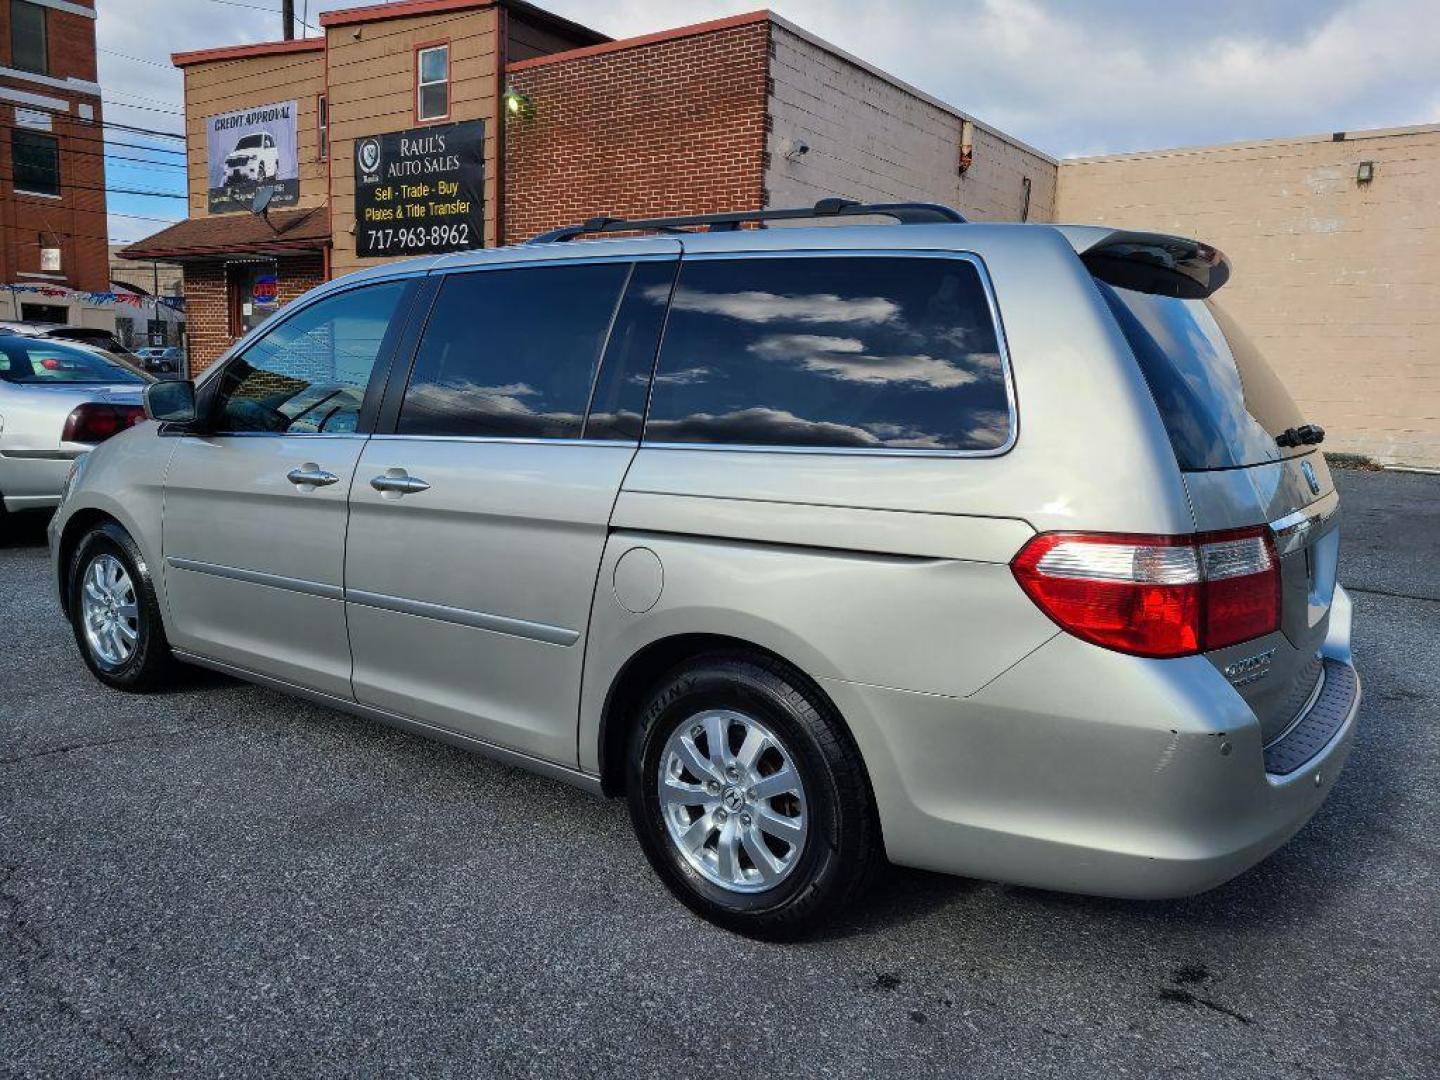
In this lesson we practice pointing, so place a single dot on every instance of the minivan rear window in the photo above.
(1221, 403)
(862, 352)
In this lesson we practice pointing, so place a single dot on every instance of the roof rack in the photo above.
(903, 213)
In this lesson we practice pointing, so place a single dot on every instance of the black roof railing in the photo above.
(902, 213)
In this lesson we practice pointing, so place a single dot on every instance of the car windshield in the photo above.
(249, 142)
(37, 362)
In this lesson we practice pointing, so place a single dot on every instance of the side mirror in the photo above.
(171, 402)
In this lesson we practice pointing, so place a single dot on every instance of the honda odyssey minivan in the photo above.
(993, 549)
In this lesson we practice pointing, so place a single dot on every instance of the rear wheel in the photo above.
(114, 612)
(749, 797)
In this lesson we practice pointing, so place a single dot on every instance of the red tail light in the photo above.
(1155, 595)
(95, 421)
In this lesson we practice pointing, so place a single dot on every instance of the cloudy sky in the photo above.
(1070, 78)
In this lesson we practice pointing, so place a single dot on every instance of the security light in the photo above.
(1365, 173)
(515, 101)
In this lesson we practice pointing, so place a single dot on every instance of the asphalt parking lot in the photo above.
(222, 880)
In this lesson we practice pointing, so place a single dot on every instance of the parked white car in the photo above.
(254, 159)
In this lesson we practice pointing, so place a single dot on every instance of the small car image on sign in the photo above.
(420, 191)
(248, 148)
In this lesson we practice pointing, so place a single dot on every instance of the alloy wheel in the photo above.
(732, 800)
(109, 610)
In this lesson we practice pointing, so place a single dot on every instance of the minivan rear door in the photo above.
(1233, 427)
(479, 511)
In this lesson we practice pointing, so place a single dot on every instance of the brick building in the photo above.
(52, 173)
(541, 122)
(566, 124)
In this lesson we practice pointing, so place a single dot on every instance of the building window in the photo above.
(36, 162)
(322, 125)
(432, 82)
(27, 37)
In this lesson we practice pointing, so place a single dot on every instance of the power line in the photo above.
(144, 130)
(268, 11)
(137, 59)
(142, 217)
(141, 97)
(72, 148)
(71, 186)
(143, 146)
(143, 108)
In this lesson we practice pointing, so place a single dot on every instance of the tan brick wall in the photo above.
(372, 91)
(223, 86)
(670, 127)
(875, 139)
(1337, 282)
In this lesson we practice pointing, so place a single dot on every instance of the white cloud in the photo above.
(763, 307)
(1068, 78)
(846, 359)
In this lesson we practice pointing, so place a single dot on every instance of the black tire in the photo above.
(150, 665)
(842, 847)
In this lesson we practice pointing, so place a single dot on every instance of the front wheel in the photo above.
(114, 612)
(749, 796)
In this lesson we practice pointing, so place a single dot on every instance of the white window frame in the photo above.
(421, 85)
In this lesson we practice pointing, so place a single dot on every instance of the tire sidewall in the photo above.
(112, 540)
(753, 691)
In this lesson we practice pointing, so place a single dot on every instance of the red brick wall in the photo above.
(76, 221)
(207, 314)
(669, 127)
(207, 301)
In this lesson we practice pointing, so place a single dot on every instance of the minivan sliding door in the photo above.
(477, 524)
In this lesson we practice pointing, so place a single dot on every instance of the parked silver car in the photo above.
(990, 549)
(57, 400)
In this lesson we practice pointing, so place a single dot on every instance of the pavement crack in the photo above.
(67, 748)
(1392, 593)
(1185, 997)
(30, 950)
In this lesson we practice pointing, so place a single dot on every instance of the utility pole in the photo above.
(287, 13)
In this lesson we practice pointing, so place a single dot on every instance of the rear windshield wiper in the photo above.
(1304, 435)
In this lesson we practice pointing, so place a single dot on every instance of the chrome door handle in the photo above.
(398, 482)
(311, 476)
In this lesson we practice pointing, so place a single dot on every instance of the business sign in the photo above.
(420, 191)
(250, 147)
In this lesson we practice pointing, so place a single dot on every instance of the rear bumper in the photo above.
(1085, 771)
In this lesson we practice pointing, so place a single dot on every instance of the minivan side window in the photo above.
(512, 353)
(863, 352)
(308, 375)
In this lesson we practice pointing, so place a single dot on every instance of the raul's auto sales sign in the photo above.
(420, 191)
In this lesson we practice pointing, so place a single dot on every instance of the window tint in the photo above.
(512, 352)
(27, 360)
(309, 373)
(1221, 403)
(28, 50)
(36, 161)
(617, 408)
(863, 351)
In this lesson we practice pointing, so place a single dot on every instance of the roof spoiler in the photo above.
(1150, 262)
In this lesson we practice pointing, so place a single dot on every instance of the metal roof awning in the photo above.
(284, 231)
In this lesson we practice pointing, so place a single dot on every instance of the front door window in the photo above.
(309, 374)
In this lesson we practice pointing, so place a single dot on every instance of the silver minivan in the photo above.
(989, 549)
